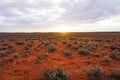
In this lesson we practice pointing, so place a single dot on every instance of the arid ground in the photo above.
(69, 56)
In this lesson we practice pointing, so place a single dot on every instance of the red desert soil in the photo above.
(31, 66)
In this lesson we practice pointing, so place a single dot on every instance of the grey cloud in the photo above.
(15, 12)
(90, 10)
(44, 13)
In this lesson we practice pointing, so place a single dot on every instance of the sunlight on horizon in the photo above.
(62, 29)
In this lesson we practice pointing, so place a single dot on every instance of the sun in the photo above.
(63, 29)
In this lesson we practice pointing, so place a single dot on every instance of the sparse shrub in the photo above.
(19, 42)
(95, 55)
(30, 44)
(69, 44)
(10, 46)
(56, 73)
(46, 44)
(37, 49)
(115, 55)
(67, 52)
(108, 40)
(75, 42)
(3, 47)
(81, 44)
(27, 47)
(64, 42)
(2, 53)
(51, 48)
(9, 59)
(106, 59)
(40, 40)
(91, 48)
(115, 46)
(54, 42)
(84, 52)
(26, 53)
(16, 55)
(92, 45)
(75, 47)
(94, 73)
(115, 73)
(72, 38)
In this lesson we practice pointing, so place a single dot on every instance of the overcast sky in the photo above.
(50, 15)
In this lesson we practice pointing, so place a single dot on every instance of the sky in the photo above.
(59, 15)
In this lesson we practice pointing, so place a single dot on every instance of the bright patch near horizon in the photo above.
(62, 29)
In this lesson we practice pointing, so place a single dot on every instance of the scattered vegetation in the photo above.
(31, 51)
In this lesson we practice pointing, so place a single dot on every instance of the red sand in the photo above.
(26, 67)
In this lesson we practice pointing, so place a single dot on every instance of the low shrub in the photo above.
(16, 55)
(115, 73)
(81, 44)
(115, 47)
(67, 52)
(10, 46)
(30, 44)
(94, 73)
(106, 59)
(52, 48)
(75, 47)
(56, 73)
(26, 52)
(19, 42)
(84, 52)
(46, 44)
(69, 44)
(115, 55)
(3, 47)
(2, 53)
